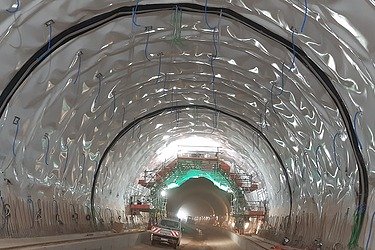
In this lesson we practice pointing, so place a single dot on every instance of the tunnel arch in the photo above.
(363, 187)
(152, 114)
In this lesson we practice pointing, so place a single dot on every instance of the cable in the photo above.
(134, 15)
(357, 114)
(57, 216)
(46, 137)
(304, 18)
(79, 54)
(147, 29)
(16, 121)
(49, 25)
(211, 58)
(159, 69)
(205, 16)
(370, 232)
(99, 76)
(176, 23)
(214, 42)
(14, 8)
(334, 149)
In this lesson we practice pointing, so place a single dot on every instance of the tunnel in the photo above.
(219, 104)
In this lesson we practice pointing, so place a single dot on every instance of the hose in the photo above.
(304, 18)
(57, 215)
(134, 15)
(147, 29)
(79, 58)
(159, 67)
(46, 137)
(16, 121)
(176, 23)
(48, 24)
(99, 76)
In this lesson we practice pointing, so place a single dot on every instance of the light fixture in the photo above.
(163, 193)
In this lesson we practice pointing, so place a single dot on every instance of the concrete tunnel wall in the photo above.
(108, 89)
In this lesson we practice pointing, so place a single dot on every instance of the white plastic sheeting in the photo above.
(65, 112)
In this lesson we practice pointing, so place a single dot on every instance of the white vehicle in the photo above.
(167, 231)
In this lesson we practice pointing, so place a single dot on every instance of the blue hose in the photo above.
(214, 42)
(205, 16)
(16, 121)
(304, 18)
(147, 41)
(159, 69)
(134, 15)
(49, 25)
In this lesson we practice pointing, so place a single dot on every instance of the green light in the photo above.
(180, 177)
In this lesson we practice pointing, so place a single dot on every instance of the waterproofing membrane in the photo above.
(285, 88)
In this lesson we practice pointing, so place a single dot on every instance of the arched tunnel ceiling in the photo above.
(302, 82)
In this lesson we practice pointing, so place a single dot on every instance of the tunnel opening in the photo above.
(199, 198)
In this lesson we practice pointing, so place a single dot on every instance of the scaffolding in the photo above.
(200, 163)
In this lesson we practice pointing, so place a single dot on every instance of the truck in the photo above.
(167, 231)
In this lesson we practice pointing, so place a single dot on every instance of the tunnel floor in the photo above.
(209, 239)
